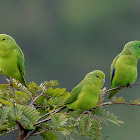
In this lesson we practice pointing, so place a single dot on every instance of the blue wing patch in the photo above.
(113, 73)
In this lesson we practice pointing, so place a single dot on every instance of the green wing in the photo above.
(112, 74)
(20, 64)
(112, 70)
(74, 94)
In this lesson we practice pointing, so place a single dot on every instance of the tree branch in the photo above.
(38, 133)
(88, 112)
(111, 103)
(32, 103)
(54, 112)
(120, 87)
(32, 133)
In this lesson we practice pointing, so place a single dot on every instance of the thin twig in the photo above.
(120, 87)
(111, 103)
(38, 133)
(136, 83)
(106, 137)
(32, 133)
(54, 112)
(43, 121)
(85, 112)
(116, 88)
(32, 103)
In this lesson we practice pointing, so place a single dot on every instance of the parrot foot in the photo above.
(129, 85)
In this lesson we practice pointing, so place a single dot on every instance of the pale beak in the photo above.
(103, 81)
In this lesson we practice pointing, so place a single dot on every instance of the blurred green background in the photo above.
(66, 39)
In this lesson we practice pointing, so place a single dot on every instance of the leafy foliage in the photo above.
(137, 101)
(88, 123)
(48, 135)
(37, 110)
(52, 98)
(96, 131)
(103, 116)
(119, 100)
(58, 120)
(28, 117)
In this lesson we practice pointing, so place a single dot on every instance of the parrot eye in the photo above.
(139, 46)
(3, 39)
(97, 76)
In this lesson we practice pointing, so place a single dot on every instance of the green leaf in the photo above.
(63, 130)
(23, 88)
(49, 92)
(4, 86)
(52, 97)
(52, 83)
(55, 101)
(95, 131)
(58, 119)
(77, 113)
(3, 102)
(85, 124)
(40, 100)
(31, 113)
(4, 112)
(22, 97)
(103, 115)
(137, 101)
(119, 100)
(25, 115)
(56, 92)
(33, 87)
(48, 135)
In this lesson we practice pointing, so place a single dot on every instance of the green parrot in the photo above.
(124, 67)
(86, 94)
(11, 59)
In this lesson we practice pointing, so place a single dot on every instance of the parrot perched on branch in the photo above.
(124, 67)
(11, 59)
(86, 94)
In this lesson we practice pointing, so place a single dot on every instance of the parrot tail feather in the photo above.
(112, 93)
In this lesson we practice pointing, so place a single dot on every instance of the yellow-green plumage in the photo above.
(11, 59)
(124, 67)
(86, 94)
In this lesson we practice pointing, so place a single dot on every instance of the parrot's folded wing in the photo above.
(73, 95)
(20, 64)
(112, 70)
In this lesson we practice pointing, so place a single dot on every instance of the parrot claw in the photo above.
(129, 85)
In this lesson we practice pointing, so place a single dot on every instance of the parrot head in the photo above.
(96, 77)
(6, 43)
(6, 40)
(132, 47)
